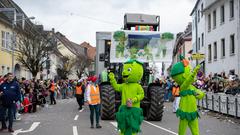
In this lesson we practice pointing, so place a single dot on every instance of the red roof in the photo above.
(91, 51)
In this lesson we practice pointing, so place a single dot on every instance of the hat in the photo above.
(177, 68)
(92, 78)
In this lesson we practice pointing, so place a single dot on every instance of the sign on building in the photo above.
(198, 56)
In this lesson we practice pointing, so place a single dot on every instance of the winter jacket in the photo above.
(11, 92)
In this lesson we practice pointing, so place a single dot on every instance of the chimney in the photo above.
(53, 30)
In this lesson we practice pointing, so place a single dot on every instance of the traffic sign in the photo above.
(198, 56)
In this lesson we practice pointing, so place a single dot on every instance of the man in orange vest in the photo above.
(80, 94)
(52, 92)
(175, 93)
(93, 99)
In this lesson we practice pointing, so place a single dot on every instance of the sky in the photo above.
(79, 20)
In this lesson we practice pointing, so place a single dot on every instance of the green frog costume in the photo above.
(187, 112)
(129, 119)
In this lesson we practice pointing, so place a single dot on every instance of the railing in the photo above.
(221, 103)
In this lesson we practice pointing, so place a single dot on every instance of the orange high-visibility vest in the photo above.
(52, 87)
(79, 90)
(94, 95)
(175, 91)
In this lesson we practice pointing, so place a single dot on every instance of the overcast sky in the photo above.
(80, 19)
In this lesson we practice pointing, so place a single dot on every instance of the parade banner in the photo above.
(145, 46)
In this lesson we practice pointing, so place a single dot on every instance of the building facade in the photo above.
(217, 33)
(198, 32)
(91, 54)
(70, 49)
(8, 62)
(222, 36)
(183, 45)
(6, 43)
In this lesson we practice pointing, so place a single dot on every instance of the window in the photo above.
(215, 51)
(222, 14)
(209, 22)
(199, 42)
(202, 39)
(214, 19)
(193, 24)
(3, 39)
(202, 10)
(198, 15)
(6, 40)
(232, 44)
(209, 53)
(231, 8)
(8, 69)
(3, 68)
(223, 48)
(85, 51)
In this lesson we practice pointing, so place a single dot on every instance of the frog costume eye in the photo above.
(129, 69)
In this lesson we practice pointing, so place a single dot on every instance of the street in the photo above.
(65, 119)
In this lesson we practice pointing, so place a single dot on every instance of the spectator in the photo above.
(10, 92)
(51, 88)
(93, 99)
(80, 94)
(175, 93)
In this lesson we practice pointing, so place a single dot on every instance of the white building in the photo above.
(218, 33)
(198, 31)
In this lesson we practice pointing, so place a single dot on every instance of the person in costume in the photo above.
(130, 115)
(187, 111)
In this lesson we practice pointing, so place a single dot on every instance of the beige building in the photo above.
(183, 44)
(8, 62)
(70, 49)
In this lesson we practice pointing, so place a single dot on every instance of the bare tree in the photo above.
(80, 64)
(65, 70)
(32, 50)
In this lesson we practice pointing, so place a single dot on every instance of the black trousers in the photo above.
(7, 111)
(79, 99)
(96, 109)
(52, 98)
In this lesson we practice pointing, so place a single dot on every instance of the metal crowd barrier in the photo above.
(221, 103)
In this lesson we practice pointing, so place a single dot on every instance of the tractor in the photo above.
(114, 48)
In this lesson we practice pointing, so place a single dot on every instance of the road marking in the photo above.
(81, 110)
(75, 132)
(33, 127)
(114, 124)
(76, 117)
(160, 127)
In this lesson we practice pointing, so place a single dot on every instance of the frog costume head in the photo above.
(132, 71)
(181, 70)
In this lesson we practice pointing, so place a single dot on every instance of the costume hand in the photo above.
(196, 94)
(86, 103)
(111, 76)
(129, 103)
(134, 100)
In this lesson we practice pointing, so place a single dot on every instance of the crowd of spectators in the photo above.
(219, 83)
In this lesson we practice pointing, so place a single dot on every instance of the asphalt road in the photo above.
(65, 119)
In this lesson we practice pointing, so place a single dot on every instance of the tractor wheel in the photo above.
(155, 111)
(107, 102)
